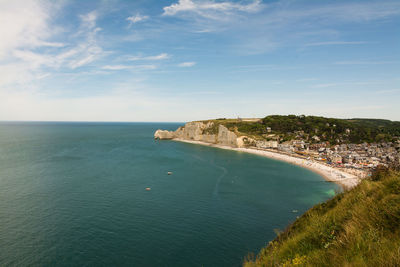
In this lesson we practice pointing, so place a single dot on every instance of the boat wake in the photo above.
(219, 179)
(224, 172)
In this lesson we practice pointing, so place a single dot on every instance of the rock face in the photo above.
(191, 131)
(163, 134)
(213, 134)
(226, 137)
(200, 131)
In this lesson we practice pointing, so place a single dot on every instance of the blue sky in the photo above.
(183, 60)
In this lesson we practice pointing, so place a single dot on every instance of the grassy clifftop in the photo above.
(327, 129)
(360, 227)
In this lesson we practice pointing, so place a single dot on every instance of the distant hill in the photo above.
(360, 227)
(330, 130)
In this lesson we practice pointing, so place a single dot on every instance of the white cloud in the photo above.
(24, 29)
(82, 61)
(89, 19)
(203, 8)
(50, 44)
(88, 50)
(158, 57)
(144, 67)
(126, 67)
(25, 26)
(187, 64)
(116, 67)
(14, 72)
(27, 47)
(161, 56)
(35, 60)
(136, 18)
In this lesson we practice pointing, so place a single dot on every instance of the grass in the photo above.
(239, 127)
(360, 227)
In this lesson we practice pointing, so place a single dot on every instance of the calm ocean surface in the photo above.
(73, 194)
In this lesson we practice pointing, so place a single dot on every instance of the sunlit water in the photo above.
(74, 194)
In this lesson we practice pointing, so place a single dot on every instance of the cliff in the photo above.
(208, 132)
(360, 227)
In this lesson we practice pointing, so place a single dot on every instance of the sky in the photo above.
(184, 60)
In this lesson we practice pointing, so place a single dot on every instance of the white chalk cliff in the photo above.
(205, 132)
(212, 133)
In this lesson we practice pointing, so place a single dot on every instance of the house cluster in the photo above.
(359, 156)
(350, 155)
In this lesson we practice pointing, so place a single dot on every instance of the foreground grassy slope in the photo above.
(360, 227)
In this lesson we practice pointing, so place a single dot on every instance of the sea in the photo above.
(99, 194)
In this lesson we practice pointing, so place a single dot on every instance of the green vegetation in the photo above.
(212, 129)
(330, 130)
(360, 227)
(334, 130)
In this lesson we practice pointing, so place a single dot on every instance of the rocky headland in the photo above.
(204, 132)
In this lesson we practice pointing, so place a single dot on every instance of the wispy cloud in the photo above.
(89, 19)
(50, 44)
(22, 31)
(265, 28)
(136, 18)
(126, 67)
(116, 67)
(48, 53)
(161, 56)
(29, 49)
(25, 27)
(187, 64)
(88, 50)
(209, 9)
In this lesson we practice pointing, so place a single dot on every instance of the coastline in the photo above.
(331, 174)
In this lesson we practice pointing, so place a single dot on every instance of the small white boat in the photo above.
(169, 173)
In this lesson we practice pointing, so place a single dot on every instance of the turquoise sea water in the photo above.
(73, 194)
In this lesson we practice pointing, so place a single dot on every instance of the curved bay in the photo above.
(74, 194)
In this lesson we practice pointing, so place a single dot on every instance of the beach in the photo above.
(332, 174)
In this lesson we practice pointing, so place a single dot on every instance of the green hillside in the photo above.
(327, 129)
(360, 227)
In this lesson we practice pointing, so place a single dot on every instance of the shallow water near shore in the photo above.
(74, 194)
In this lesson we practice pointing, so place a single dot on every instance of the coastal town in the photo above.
(364, 156)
